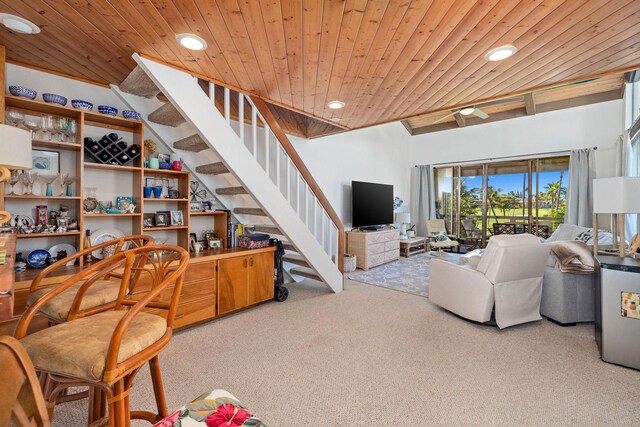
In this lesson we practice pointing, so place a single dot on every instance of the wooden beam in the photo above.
(521, 112)
(3, 66)
(407, 126)
(460, 120)
(530, 103)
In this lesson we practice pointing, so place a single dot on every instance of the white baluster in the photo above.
(322, 229)
(241, 116)
(330, 240)
(315, 234)
(336, 240)
(298, 192)
(212, 92)
(254, 130)
(278, 166)
(288, 179)
(227, 106)
(266, 147)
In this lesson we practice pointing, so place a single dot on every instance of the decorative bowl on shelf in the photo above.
(105, 109)
(128, 114)
(23, 92)
(165, 165)
(52, 98)
(82, 105)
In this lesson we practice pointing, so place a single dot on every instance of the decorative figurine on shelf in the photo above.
(64, 211)
(73, 225)
(42, 214)
(90, 203)
(150, 147)
(53, 217)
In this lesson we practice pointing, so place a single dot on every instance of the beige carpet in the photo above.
(371, 356)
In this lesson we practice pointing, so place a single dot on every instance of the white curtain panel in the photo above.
(423, 204)
(580, 192)
(627, 165)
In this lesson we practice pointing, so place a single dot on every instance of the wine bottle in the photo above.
(87, 243)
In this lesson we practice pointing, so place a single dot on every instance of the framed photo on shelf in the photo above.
(207, 205)
(193, 238)
(123, 202)
(195, 206)
(164, 158)
(208, 234)
(148, 220)
(176, 218)
(45, 162)
(162, 219)
(214, 243)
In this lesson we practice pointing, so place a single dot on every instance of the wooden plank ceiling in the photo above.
(386, 59)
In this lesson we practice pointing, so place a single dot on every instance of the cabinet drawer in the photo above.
(392, 235)
(197, 290)
(376, 248)
(394, 244)
(375, 238)
(392, 255)
(200, 271)
(375, 259)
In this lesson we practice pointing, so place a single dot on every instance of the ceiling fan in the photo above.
(465, 111)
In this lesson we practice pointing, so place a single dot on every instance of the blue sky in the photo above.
(513, 182)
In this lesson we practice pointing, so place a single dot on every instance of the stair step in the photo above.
(305, 272)
(167, 115)
(212, 169)
(295, 259)
(266, 228)
(232, 191)
(249, 211)
(289, 247)
(191, 143)
(138, 83)
(162, 97)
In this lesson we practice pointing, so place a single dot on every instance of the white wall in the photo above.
(377, 154)
(595, 125)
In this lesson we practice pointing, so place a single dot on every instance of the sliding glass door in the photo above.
(510, 197)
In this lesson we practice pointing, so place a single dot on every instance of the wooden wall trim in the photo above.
(302, 168)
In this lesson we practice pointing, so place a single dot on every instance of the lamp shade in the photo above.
(15, 147)
(403, 217)
(618, 195)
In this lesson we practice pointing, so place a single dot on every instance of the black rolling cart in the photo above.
(281, 292)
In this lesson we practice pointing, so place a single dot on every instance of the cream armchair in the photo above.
(509, 276)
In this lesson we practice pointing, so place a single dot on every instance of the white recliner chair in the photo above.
(509, 276)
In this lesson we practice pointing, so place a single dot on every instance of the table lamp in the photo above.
(15, 153)
(403, 218)
(617, 196)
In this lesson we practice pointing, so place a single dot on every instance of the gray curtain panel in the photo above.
(580, 192)
(423, 204)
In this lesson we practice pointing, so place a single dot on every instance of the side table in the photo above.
(413, 246)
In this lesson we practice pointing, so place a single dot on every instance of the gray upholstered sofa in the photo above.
(569, 298)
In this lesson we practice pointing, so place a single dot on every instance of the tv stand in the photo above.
(371, 228)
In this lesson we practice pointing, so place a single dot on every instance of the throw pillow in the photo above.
(440, 236)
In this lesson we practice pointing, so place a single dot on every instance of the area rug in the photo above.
(409, 275)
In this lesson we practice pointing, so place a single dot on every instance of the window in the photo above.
(516, 196)
(635, 101)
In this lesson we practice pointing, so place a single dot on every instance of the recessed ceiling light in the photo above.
(500, 53)
(18, 24)
(191, 41)
(335, 105)
(467, 110)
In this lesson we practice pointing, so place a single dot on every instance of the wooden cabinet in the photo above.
(373, 248)
(245, 281)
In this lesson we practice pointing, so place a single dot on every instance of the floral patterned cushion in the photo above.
(216, 409)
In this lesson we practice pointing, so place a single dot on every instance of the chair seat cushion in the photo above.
(444, 244)
(57, 309)
(78, 348)
(217, 408)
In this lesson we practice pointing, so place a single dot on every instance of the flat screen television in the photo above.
(372, 203)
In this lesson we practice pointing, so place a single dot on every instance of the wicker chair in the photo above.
(102, 292)
(104, 347)
(21, 400)
(472, 234)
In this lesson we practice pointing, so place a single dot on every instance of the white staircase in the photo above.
(252, 167)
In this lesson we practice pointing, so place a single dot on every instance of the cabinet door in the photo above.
(232, 284)
(261, 286)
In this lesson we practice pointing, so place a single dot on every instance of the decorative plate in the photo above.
(104, 235)
(70, 249)
(21, 220)
(38, 258)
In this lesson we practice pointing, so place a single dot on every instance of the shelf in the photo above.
(44, 143)
(164, 172)
(110, 167)
(34, 196)
(35, 235)
(100, 215)
(171, 227)
(165, 199)
(41, 106)
(92, 118)
(207, 213)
